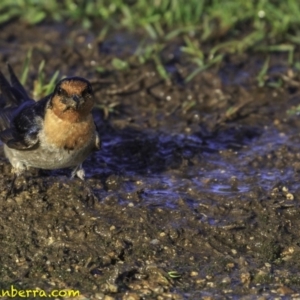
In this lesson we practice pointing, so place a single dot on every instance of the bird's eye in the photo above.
(59, 91)
(88, 90)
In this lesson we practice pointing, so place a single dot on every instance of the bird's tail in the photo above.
(12, 94)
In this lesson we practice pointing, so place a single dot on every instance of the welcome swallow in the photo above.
(55, 132)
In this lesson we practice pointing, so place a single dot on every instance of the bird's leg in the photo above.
(79, 172)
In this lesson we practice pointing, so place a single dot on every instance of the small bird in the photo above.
(55, 132)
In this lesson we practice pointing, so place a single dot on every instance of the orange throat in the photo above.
(68, 130)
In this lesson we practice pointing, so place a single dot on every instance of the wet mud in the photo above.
(194, 195)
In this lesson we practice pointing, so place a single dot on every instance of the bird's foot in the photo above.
(79, 172)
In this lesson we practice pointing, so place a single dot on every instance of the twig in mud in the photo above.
(149, 90)
(231, 114)
(99, 83)
(289, 80)
(116, 91)
(125, 89)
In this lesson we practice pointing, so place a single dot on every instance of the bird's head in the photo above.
(72, 99)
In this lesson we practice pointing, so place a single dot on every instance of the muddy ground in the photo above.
(194, 195)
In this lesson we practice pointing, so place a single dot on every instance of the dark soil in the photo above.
(195, 193)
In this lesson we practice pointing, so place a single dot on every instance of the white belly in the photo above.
(45, 157)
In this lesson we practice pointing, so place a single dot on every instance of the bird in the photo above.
(55, 132)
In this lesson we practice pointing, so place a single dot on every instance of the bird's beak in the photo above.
(76, 98)
(75, 101)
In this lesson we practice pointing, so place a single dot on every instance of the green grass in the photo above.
(208, 30)
(40, 88)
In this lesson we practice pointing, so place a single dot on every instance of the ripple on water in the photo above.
(195, 172)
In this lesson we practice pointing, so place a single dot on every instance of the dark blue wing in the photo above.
(19, 115)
